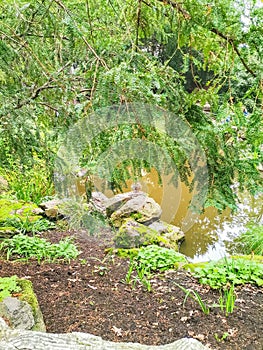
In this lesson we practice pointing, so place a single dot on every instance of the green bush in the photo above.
(30, 183)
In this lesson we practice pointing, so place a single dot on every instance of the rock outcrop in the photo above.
(52, 208)
(18, 313)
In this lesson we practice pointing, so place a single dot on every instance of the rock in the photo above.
(23, 312)
(140, 207)
(18, 313)
(114, 203)
(28, 340)
(171, 233)
(8, 232)
(99, 200)
(52, 208)
(133, 234)
(28, 295)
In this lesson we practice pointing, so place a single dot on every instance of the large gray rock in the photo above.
(114, 203)
(18, 313)
(99, 200)
(29, 340)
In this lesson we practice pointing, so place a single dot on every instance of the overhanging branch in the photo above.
(235, 48)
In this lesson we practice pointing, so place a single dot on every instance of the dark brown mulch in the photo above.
(90, 295)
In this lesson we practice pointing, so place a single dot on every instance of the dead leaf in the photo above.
(184, 319)
(117, 331)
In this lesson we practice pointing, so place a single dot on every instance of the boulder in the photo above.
(99, 200)
(133, 234)
(8, 232)
(172, 233)
(27, 340)
(140, 207)
(114, 203)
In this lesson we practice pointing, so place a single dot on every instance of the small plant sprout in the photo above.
(227, 300)
(196, 297)
(222, 338)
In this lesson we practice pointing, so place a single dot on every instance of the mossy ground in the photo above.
(10, 209)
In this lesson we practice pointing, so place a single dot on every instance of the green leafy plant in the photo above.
(8, 286)
(25, 247)
(221, 273)
(196, 297)
(26, 225)
(30, 183)
(149, 259)
(252, 240)
(154, 258)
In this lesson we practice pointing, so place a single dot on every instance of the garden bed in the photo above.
(90, 295)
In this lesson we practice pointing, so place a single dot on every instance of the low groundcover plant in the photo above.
(25, 247)
(219, 274)
(8, 286)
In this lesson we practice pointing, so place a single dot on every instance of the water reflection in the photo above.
(208, 236)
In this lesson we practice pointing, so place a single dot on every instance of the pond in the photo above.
(208, 236)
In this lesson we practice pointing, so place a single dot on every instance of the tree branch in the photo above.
(45, 86)
(235, 48)
(177, 6)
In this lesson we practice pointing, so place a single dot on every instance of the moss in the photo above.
(28, 295)
(133, 234)
(127, 253)
(192, 266)
(255, 258)
(10, 209)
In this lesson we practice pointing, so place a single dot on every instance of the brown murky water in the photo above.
(208, 236)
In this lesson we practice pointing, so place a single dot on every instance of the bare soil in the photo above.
(90, 295)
